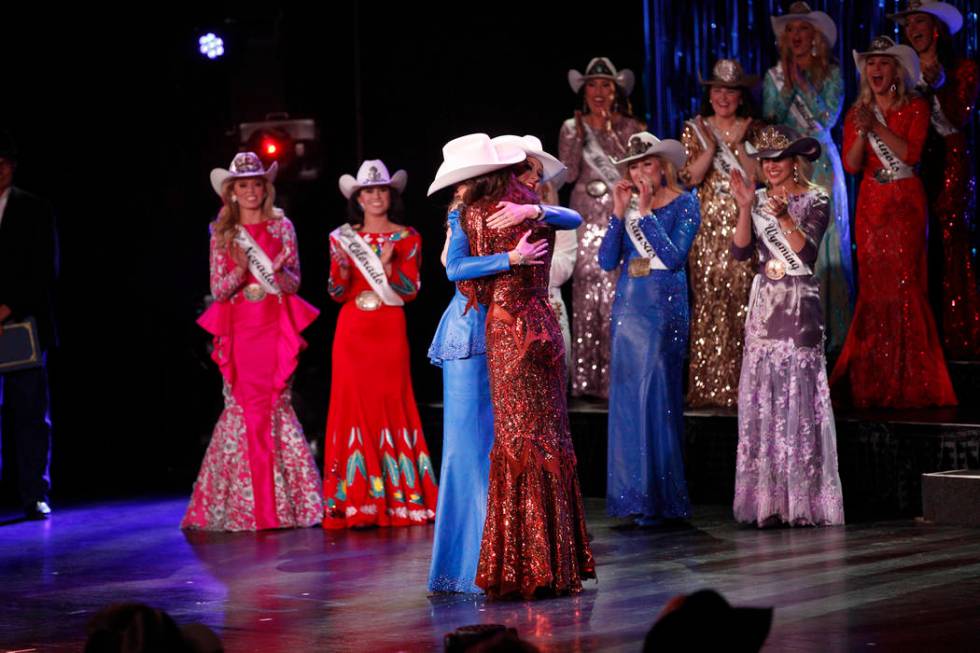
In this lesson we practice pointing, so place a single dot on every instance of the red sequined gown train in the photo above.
(534, 539)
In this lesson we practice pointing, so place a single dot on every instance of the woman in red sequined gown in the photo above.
(891, 356)
(377, 470)
(534, 538)
(950, 85)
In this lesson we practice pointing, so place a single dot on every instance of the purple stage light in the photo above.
(211, 45)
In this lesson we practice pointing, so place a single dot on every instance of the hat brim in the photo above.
(808, 148)
(624, 79)
(451, 176)
(220, 176)
(747, 82)
(944, 11)
(821, 21)
(668, 149)
(904, 54)
(348, 184)
(552, 167)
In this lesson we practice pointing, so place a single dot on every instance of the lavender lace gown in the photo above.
(786, 467)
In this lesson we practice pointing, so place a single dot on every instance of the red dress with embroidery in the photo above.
(534, 537)
(947, 172)
(892, 356)
(377, 469)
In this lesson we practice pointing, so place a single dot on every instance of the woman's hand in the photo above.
(645, 204)
(510, 214)
(864, 118)
(622, 192)
(743, 192)
(777, 205)
(281, 259)
(528, 253)
(238, 256)
(387, 252)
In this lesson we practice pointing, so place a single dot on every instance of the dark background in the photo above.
(119, 121)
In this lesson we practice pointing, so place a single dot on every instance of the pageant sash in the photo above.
(367, 262)
(597, 158)
(725, 160)
(895, 168)
(767, 229)
(259, 263)
(639, 239)
(805, 120)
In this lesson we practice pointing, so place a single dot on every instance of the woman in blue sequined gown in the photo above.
(459, 348)
(650, 321)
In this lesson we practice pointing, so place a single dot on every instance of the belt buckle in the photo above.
(883, 176)
(254, 292)
(775, 269)
(639, 267)
(596, 188)
(368, 300)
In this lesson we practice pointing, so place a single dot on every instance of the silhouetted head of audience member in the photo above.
(486, 638)
(704, 621)
(138, 628)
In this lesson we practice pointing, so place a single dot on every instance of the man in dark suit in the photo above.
(28, 268)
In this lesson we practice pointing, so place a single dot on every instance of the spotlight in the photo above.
(211, 45)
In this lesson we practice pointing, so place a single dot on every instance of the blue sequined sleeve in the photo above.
(672, 248)
(611, 248)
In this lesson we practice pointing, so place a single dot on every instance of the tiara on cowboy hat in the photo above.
(941, 10)
(780, 141)
(471, 156)
(372, 172)
(532, 147)
(905, 55)
(729, 74)
(801, 11)
(644, 144)
(245, 164)
(602, 68)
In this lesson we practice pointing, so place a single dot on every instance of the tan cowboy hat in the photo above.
(729, 73)
(532, 147)
(941, 10)
(644, 144)
(602, 68)
(245, 164)
(905, 55)
(372, 172)
(471, 156)
(801, 11)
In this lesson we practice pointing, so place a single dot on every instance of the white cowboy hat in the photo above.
(602, 68)
(372, 172)
(941, 10)
(644, 144)
(471, 156)
(905, 55)
(801, 11)
(245, 164)
(532, 147)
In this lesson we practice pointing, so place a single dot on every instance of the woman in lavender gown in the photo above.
(786, 468)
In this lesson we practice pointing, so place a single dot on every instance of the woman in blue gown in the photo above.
(649, 332)
(459, 347)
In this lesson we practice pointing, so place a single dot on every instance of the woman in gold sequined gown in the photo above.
(719, 284)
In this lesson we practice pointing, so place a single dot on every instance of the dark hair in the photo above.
(8, 147)
(134, 628)
(746, 108)
(621, 104)
(396, 210)
(491, 186)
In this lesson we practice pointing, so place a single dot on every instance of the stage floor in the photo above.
(885, 586)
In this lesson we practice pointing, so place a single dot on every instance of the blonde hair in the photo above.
(867, 96)
(819, 67)
(229, 216)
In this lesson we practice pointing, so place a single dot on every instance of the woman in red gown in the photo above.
(534, 538)
(892, 355)
(377, 470)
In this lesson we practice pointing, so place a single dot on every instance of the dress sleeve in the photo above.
(288, 276)
(813, 223)
(672, 248)
(560, 217)
(850, 135)
(563, 260)
(570, 150)
(339, 282)
(224, 284)
(959, 96)
(918, 129)
(611, 247)
(692, 148)
(405, 276)
(826, 105)
(774, 105)
(460, 266)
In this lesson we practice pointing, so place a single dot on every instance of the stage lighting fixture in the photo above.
(211, 45)
(293, 143)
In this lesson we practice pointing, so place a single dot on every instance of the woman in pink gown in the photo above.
(258, 472)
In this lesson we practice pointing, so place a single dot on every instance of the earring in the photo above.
(893, 88)
(796, 174)
(234, 199)
(813, 48)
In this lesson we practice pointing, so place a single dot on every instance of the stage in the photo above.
(885, 586)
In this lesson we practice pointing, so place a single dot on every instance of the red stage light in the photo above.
(270, 147)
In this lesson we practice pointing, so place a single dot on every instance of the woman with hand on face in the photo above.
(805, 91)
(258, 472)
(892, 356)
(786, 465)
(598, 130)
(714, 142)
(950, 84)
(377, 469)
(649, 236)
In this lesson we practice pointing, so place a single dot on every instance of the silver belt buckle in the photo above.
(368, 301)
(596, 188)
(254, 292)
(883, 176)
(775, 269)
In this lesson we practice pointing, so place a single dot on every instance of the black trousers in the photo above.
(25, 425)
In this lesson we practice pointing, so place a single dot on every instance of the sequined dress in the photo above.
(534, 539)
(719, 290)
(649, 339)
(377, 469)
(592, 287)
(786, 462)
(258, 471)
(948, 176)
(892, 356)
(834, 266)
